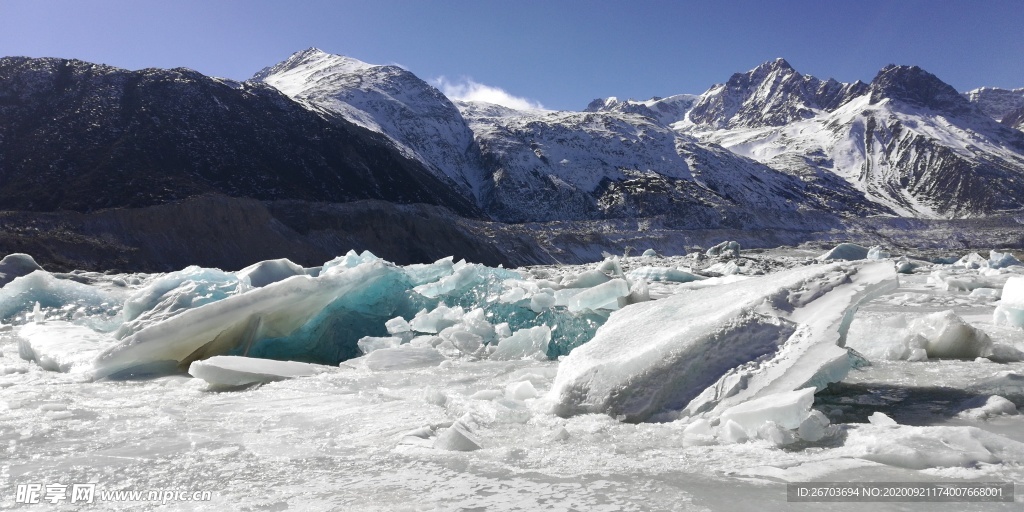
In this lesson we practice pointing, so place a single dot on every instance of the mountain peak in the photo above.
(309, 61)
(778, 63)
(915, 86)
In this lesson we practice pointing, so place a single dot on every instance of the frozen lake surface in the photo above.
(470, 430)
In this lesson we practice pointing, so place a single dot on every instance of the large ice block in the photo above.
(720, 346)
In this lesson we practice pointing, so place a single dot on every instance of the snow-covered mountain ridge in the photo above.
(904, 144)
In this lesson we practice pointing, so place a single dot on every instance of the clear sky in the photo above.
(560, 53)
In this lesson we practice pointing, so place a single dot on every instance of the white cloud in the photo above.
(466, 89)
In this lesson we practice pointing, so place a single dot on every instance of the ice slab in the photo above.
(236, 371)
(61, 346)
(1010, 311)
(21, 295)
(601, 296)
(985, 407)
(729, 249)
(650, 253)
(170, 294)
(929, 447)
(745, 336)
(457, 438)
(667, 274)
(1002, 259)
(949, 336)
(16, 265)
(971, 261)
(877, 252)
(587, 279)
(788, 410)
(403, 358)
(845, 251)
(273, 311)
(524, 343)
(270, 271)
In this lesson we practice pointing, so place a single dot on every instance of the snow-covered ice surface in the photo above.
(437, 422)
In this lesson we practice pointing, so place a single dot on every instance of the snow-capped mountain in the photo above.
(420, 120)
(908, 141)
(772, 94)
(664, 110)
(1015, 119)
(82, 136)
(999, 104)
(619, 161)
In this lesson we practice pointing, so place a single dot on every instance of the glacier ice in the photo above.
(532, 342)
(881, 419)
(985, 407)
(16, 265)
(602, 296)
(729, 249)
(235, 371)
(270, 271)
(667, 274)
(717, 347)
(949, 336)
(61, 346)
(877, 252)
(1010, 310)
(787, 409)
(1002, 259)
(402, 358)
(846, 251)
(928, 447)
(239, 321)
(971, 261)
(457, 438)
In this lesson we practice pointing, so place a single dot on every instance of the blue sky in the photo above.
(559, 53)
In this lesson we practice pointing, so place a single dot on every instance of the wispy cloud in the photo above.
(467, 89)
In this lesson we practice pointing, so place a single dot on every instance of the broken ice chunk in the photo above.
(525, 343)
(588, 279)
(1010, 311)
(270, 271)
(1002, 259)
(929, 447)
(61, 346)
(650, 253)
(661, 355)
(274, 311)
(521, 391)
(880, 418)
(814, 427)
(877, 252)
(436, 320)
(457, 438)
(235, 371)
(402, 358)
(602, 296)
(787, 410)
(397, 325)
(985, 407)
(726, 249)
(667, 274)
(845, 251)
(972, 261)
(16, 265)
(949, 336)
(368, 344)
(542, 300)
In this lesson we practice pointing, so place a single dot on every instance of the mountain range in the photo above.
(769, 149)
